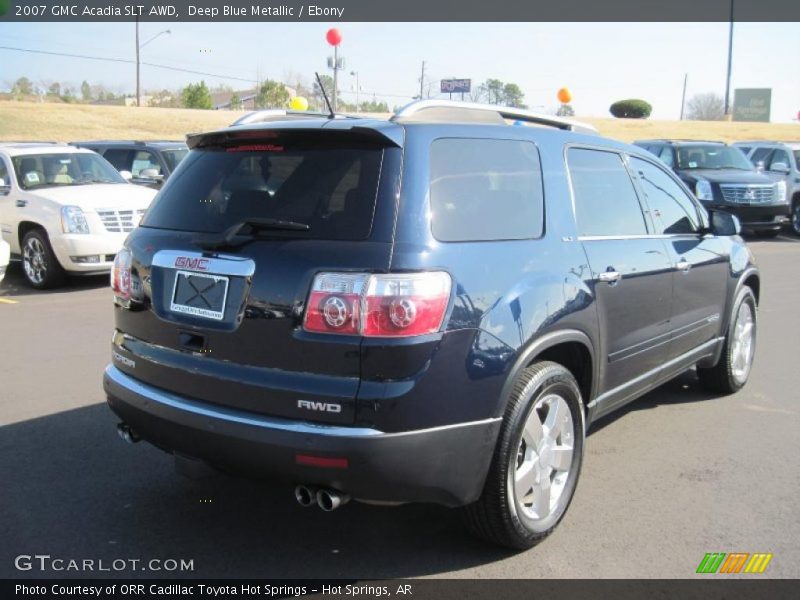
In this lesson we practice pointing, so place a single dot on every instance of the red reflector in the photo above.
(321, 461)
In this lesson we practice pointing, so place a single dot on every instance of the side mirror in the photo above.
(151, 174)
(779, 167)
(724, 223)
(126, 175)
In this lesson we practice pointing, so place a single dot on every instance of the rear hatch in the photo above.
(223, 263)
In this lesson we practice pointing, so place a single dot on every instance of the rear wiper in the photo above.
(225, 239)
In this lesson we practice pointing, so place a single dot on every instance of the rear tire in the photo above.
(795, 219)
(536, 461)
(732, 371)
(39, 263)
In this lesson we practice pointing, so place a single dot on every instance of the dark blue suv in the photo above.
(427, 309)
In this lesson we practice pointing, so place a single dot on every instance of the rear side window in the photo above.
(483, 189)
(605, 199)
(120, 158)
(673, 212)
(331, 187)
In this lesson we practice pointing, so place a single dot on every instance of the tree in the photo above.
(235, 101)
(565, 110)
(54, 89)
(86, 91)
(705, 107)
(494, 91)
(22, 87)
(272, 94)
(631, 109)
(374, 106)
(196, 95)
(513, 96)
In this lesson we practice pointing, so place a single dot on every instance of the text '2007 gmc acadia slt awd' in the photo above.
(426, 309)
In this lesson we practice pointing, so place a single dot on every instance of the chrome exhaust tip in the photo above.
(330, 500)
(306, 496)
(126, 433)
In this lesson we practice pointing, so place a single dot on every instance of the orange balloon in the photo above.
(564, 95)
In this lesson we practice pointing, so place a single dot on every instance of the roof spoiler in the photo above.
(449, 111)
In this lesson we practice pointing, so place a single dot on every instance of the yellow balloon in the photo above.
(298, 103)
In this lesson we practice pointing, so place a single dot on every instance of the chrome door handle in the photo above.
(683, 265)
(611, 276)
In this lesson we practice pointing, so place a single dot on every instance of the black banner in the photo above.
(405, 11)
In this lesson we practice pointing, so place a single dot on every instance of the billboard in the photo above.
(752, 104)
(452, 86)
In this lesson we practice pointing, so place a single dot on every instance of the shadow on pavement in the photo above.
(14, 283)
(72, 489)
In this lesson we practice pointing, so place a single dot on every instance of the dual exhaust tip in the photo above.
(327, 499)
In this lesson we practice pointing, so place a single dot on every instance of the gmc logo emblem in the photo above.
(319, 406)
(195, 264)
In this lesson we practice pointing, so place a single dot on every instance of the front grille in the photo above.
(748, 194)
(120, 221)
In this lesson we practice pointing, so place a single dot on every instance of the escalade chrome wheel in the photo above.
(733, 369)
(536, 462)
(39, 264)
(796, 217)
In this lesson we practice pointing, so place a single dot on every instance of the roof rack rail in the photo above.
(448, 111)
(669, 140)
(278, 114)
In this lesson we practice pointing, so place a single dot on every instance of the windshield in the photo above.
(173, 157)
(47, 170)
(329, 187)
(712, 156)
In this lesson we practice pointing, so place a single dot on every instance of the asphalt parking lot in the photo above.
(675, 475)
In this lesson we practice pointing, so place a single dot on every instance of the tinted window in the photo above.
(485, 190)
(120, 158)
(712, 156)
(666, 156)
(331, 187)
(672, 210)
(143, 160)
(760, 155)
(779, 156)
(4, 173)
(745, 149)
(173, 157)
(45, 170)
(605, 199)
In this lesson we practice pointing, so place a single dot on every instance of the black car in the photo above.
(428, 309)
(144, 163)
(721, 177)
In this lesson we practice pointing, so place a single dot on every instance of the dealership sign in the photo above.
(453, 86)
(752, 104)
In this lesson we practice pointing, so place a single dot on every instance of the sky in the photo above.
(599, 62)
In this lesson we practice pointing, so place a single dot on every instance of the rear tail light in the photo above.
(121, 276)
(393, 305)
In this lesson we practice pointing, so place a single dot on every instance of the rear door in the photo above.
(699, 261)
(222, 321)
(631, 271)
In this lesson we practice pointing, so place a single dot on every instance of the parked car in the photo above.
(5, 256)
(64, 210)
(780, 161)
(144, 163)
(721, 177)
(429, 309)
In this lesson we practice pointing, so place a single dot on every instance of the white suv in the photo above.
(64, 210)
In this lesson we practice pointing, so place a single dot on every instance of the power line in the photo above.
(127, 61)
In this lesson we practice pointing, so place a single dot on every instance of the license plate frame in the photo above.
(198, 311)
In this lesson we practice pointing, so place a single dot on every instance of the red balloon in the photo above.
(334, 36)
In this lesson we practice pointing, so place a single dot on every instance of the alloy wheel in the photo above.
(743, 345)
(34, 260)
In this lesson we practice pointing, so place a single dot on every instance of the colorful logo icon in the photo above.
(735, 562)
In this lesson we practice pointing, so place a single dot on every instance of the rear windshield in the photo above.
(329, 187)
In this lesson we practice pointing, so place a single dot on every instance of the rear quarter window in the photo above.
(485, 189)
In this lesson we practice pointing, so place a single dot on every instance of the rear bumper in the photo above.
(445, 465)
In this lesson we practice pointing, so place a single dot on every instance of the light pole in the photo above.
(138, 64)
(730, 60)
(358, 88)
(334, 38)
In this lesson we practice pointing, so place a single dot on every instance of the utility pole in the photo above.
(138, 94)
(335, 75)
(422, 80)
(358, 88)
(683, 97)
(730, 59)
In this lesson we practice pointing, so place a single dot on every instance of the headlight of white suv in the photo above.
(703, 190)
(780, 192)
(73, 220)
